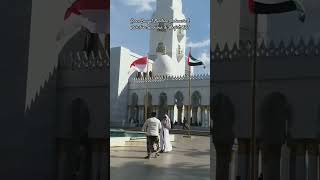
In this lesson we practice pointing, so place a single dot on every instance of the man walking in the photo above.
(152, 127)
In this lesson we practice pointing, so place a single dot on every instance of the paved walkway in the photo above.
(189, 160)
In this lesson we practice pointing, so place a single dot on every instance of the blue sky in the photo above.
(138, 40)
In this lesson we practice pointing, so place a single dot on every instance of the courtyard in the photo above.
(189, 160)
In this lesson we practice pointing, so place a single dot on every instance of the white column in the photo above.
(206, 120)
(175, 112)
(182, 113)
(209, 114)
(198, 115)
(203, 117)
(191, 115)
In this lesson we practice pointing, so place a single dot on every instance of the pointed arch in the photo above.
(195, 107)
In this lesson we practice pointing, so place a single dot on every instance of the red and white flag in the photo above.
(90, 14)
(95, 11)
(140, 64)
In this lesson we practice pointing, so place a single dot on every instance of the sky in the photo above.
(198, 36)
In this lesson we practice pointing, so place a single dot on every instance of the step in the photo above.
(127, 141)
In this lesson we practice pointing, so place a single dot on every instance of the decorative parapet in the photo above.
(170, 78)
(82, 60)
(246, 49)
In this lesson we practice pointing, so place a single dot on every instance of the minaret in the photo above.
(173, 40)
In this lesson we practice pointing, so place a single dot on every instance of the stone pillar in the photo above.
(243, 159)
(271, 154)
(312, 150)
(223, 157)
(297, 162)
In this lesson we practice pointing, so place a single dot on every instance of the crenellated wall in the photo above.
(290, 70)
(82, 113)
(83, 75)
(287, 109)
(171, 85)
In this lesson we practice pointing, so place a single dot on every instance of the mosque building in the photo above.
(168, 81)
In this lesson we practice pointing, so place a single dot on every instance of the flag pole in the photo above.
(253, 108)
(189, 109)
(146, 92)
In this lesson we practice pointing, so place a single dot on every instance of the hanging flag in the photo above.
(277, 6)
(90, 14)
(95, 11)
(193, 61)
(140, 64)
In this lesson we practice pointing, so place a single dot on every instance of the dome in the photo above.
(164, 65)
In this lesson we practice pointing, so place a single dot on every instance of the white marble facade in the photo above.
(170, 95)
(168, 86)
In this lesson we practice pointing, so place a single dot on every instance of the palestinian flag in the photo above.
(276, 7)
(193, 61)
(140, 64)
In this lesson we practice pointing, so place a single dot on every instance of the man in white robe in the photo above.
(165, 144)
